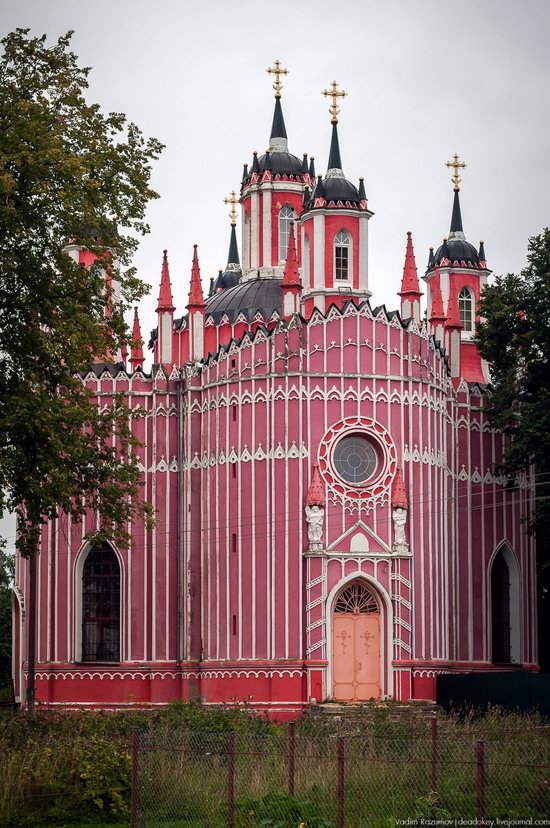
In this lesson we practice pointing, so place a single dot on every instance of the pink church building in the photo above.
(328, 521)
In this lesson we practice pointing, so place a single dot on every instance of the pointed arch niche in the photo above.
(505, 607)
(98, 605)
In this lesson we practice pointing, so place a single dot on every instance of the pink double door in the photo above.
(356, 656)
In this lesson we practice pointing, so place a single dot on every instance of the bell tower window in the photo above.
(286, 216)
(342, 245)
(465, 310)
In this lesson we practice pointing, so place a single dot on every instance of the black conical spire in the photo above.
(334, 160)
(456, 218)
(362, 193)
(431, 258)
(304, 168)
(312, 167)
(481, 253)
(278, 129)
(233, 255)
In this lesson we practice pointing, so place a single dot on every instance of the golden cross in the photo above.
(456, 164)
(277, 70)
(233, 200)
(334, 94)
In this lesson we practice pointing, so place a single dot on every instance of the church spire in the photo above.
(291, 285)
(165, 301)
(278, 140)
(410, 292)
(196, 298)
(456, 230)
(334, 169)
(136, 351)
(233, 255)
(291, 276)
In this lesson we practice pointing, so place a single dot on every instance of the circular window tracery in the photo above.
(356, 599)
(355, 459)
(349, 469)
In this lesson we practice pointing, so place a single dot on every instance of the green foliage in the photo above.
(67, 769)
(279, 810)
(68, 173)
(6, 575)
(104, 775)
(430, 807)
(514, 336)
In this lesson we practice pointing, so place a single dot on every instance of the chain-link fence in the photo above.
(429, 775)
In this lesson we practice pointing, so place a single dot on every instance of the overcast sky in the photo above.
(425, 79)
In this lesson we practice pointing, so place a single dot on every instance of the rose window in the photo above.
(355, 459)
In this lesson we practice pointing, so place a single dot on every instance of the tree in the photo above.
(514, 336)
(6, 575)
(68, 173)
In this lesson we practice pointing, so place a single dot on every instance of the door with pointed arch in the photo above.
(355, 645)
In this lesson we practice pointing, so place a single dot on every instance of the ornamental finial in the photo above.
(456, 164)
(334, 93)
(277, 70)
(233, 200)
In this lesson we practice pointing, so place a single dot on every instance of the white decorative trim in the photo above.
(146, 674)
(245, 456)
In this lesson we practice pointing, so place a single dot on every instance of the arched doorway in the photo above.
(356, 644)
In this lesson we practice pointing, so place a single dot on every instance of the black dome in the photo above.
(459, 250)
(250, 297)
(339, 189)
(281, 163)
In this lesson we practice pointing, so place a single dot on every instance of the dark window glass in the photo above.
(101, 606)
(500, 608)
(342, 263)
(355, 459)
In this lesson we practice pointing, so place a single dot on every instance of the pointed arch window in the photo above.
(101, 605)
(500, 610)
(286, 216)
(342, 256)
(466, 310)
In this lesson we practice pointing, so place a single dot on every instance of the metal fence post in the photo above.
(341, 783)
(291, 746)
(230, 780)
(134, 780)
(434, 753)
(480, 758)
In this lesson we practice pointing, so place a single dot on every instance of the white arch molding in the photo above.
(78, 569)
(386, 621)
(516, 613)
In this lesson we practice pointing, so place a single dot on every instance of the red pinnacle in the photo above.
(316, 493)
(437, 314)
(136, 353)
(196, 298)
(453, 316)
(291, 277)
(165, 302)
(409, 282)
(399, 499)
